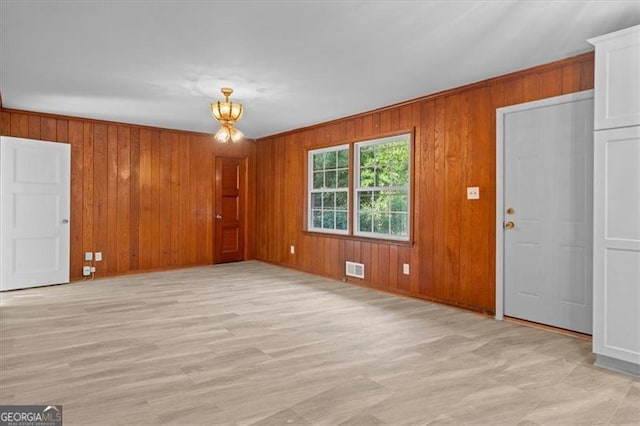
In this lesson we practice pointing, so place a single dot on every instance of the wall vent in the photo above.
(354, 269)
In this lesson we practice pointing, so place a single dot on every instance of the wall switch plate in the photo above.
(473, 193)
(405, 268)
(88, 256)
(93, 269)
(86, 271)
(292, 249)
(98, 256)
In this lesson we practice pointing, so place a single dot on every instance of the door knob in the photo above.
(509, 225)
(218, 216)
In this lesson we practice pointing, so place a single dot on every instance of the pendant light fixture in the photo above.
(227, 113)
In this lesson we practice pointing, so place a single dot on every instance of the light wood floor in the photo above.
(250, 343)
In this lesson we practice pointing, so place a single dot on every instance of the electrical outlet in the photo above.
(473, 193)
(98, 256)
(292, 249)
(405, 268)
(86, 271)
(88, 256)
(93, 269)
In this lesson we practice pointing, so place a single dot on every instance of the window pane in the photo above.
(317, 218)
(367, 157)
(341, 220)
(330, 179)
(365, 222)
(329, 170)
(328, 199)
(399, 173)
(381, 223)
(328, 219)
(318, 161)
(399, 223)
(383, 164)
(343, 158)
(343, 178)
(383, 176)
(341, 200)
(365, 200)
(316, 200)
(398, 202)
(381, 201)
(367, 177)
(330, 160)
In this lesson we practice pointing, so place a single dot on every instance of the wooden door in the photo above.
(548, 202)
(34, 214)
(229, 209)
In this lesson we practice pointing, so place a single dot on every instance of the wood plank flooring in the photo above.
(251, 343)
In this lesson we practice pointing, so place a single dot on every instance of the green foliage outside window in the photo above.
(382, 196)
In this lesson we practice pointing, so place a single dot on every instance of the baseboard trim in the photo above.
(617, 365)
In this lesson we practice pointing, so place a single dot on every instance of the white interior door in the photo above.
(34, 217)
(548, 181)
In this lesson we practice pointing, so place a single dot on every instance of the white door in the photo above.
(34, 216)
(548, 174)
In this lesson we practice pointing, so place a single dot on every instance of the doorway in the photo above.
(35, 182)
(231, 177)
(544, 228)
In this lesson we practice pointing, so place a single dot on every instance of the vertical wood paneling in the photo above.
(123, 200)
(34, 127)
(185, 199)
(176, 212)
(20, 125)
(452, 257)
(101, 194)
(145, 205)
(87, 192)
(134, 197)
(155, 245)
(5, 123)
(137, 195)
(76, 140)
(49, 129)
(164, 191)
(110, 245)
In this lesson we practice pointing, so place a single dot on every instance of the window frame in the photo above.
(357, 188)
(311, 190)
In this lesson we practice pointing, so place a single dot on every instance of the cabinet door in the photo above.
(617, 79)
(616, 260)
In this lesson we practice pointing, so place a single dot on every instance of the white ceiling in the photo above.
(292, 64)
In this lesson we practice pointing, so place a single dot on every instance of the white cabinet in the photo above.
(617, 79)
(616, 247)
(616, 216)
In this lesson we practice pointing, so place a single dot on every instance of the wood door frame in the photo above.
(500, 166)
(244, 199)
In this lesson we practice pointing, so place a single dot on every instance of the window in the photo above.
(329, 190)
(382, 183)
(381, 188)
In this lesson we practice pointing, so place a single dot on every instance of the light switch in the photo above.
(473, 193)
(405, 268)
(88, 256)
(98, 256)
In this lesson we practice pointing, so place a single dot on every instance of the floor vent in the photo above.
(355, 270)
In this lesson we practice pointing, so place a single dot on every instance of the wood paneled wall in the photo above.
(452, 258)
(142, 196)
